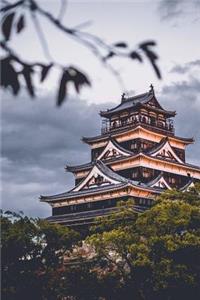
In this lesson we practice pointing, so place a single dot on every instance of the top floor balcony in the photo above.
(153, 123)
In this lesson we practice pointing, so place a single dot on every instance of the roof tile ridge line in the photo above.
(160, 175)
(137, 96)
(162, 142)
(114, 141)
(121, 178)
(141, 185)
(111, 109)
(126, 100)
(124, 179)
(74, 193)
(68, 167)
(99, 164)
(191, 180)
(94, 165)
(71, 190)
(105, 136)
(173, 162)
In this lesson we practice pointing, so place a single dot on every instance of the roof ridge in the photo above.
(114, 141)
(160, 175)
(138, 96)
(162, 142)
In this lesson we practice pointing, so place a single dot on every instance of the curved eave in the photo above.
(196, 168)
(125, 104)
(109, 113)
(119, 159)
(87, 166)
(100, 190)
(71, 194)
(187, 185)
(98, 138)
(120, 147)
(76, 168)
(168, 113)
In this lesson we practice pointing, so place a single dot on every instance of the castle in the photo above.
(136, 156)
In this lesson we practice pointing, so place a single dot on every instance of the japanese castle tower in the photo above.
(136, 156)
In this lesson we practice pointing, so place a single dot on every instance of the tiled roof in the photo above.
(155, 179)
(71, 194)
(122, 129)
(190, 181)
(120, 147)
(158, 146)
(131, 102)
(73, 218)
(91, 164)
(123, 182)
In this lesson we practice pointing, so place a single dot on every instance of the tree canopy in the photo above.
(153, 255)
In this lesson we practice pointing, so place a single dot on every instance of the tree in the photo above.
(150, 256)
(32, 256)
(14, 21)
(154, 255)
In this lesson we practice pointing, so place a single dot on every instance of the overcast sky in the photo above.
(38, 139)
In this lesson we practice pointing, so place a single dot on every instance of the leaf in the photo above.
(135, 55)
(63, 87)
(27, 73)
(74, 75)
(151, 56)
(110, 54)
(20, 24)
(7, 25)
(9, 77)
(121, 45)
(148, 43)
(79, 80)
(45, 70)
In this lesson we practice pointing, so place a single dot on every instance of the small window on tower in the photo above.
(145, 173)
(135, 174)
(134, 146)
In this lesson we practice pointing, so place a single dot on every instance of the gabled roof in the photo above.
(159, 182)
(100, 169)
(188, 185)
(114, 182)
(134, 102)
(165, 146)
(151, 154)
(113, 145)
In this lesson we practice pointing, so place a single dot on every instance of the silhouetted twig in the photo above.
(103, 51)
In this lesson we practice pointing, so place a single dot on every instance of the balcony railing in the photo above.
(156, 124)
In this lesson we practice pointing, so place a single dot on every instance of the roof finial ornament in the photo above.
(151, 89)
(123, 97)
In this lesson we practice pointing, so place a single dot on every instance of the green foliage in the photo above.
(150, 256)
(32, 254)
(157, 252)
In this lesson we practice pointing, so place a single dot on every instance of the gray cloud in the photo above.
(173, 9)
(39, 139)
(184, 97)
(184, 68)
